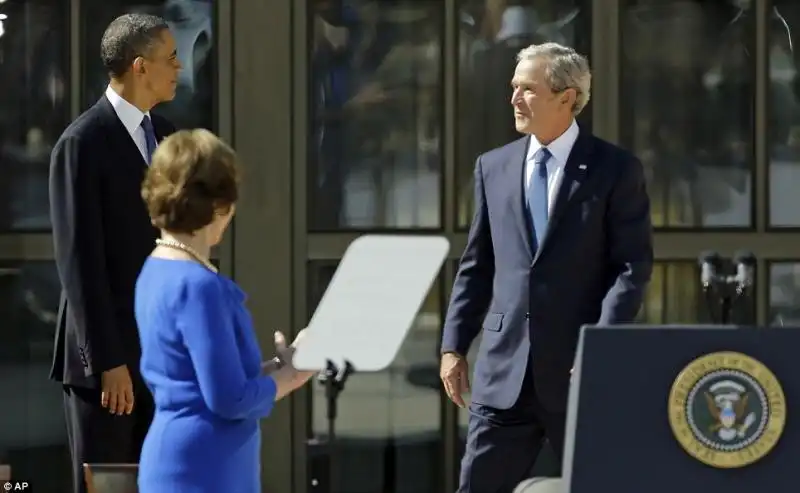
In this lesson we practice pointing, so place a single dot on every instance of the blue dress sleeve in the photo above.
(206, 322)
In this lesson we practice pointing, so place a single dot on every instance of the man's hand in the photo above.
(117, 390)
(454, 373)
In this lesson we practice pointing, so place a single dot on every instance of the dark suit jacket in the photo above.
(102, 235)
(592, 267)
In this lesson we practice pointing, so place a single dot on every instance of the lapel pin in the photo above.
(582, 167)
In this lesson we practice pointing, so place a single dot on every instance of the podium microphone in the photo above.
(743, 283)
(745, 271)
(709, 267)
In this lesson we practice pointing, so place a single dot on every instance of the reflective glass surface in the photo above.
(674, 295)
(191, 23)
(686, 94)
(784, 294)
(375, 122)
(784, 114)
(33, 106)
(33, 436)
(490, 34)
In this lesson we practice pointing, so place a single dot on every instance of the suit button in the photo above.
(527, 316)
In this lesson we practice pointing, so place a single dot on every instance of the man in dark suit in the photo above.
(102, 235)
(561, 237)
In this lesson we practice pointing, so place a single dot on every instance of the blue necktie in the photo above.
(537, 196)
(149, 137)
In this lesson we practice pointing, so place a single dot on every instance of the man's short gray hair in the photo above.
(127, 37)
(565, 69)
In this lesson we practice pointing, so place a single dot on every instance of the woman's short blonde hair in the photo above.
(193, 176)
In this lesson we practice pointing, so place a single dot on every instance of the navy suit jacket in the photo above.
(102, 235)
(592, 267)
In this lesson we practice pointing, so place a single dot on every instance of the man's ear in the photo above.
(569, 96)
(138, 65)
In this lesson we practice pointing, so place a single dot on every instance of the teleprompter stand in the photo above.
(333, 378)
(368, 308)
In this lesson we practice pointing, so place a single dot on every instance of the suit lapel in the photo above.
(514, 180)
(575, 176)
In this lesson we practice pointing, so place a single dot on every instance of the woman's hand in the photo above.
(281, 368)
(285, 353)
(284, 356)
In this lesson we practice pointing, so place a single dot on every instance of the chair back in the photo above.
(5, 472)
(540, 485)
(111, 478)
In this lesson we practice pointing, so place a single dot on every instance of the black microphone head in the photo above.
(745, 269)
(745, 257)
(709, 262)
(709, 257)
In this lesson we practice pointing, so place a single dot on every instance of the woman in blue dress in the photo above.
(200, 357)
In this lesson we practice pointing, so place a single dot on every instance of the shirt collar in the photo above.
(559, 148)
(130, 116)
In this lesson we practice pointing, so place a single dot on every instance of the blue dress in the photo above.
(201, 361)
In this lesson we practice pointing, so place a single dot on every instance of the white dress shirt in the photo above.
(559, 151)
(131, 117)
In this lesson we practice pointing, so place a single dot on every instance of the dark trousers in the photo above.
(97, 436)
(503, 444)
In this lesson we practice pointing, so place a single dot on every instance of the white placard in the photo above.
(372, 301)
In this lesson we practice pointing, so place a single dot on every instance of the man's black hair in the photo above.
(127, 37)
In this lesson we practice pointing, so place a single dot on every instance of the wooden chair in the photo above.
(111, 478)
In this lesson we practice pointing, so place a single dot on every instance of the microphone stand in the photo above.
(334, 379)
(726, 290)
(726, 302)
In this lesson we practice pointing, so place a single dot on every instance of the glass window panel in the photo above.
(192, 25)
(490, 36)
(686, 92)
(784, 114)
(388, 427)
(33, 437)
(674, 295)
(33, 106)
(375, 94)
(784, 294)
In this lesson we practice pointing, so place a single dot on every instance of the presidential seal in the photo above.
(727, 410)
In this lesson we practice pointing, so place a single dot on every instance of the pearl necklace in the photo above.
(177, 245)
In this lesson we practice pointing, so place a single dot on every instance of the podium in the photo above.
(686, 409)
